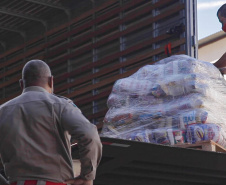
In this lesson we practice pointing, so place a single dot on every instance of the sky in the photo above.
(208, 23)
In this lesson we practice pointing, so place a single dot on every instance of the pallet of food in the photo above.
(177, 100)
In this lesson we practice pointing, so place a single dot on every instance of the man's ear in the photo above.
(50, 83)
(21, 84)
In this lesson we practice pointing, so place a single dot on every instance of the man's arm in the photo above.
(90, 147)
(221, 62)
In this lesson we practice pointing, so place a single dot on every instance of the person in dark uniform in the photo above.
(35, 132)
(221, 14)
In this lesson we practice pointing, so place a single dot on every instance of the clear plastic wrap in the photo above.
(177, 100)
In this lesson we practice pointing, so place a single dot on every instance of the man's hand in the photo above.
(79, 181)
(222, 70)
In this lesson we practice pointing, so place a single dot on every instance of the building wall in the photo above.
(213, 47)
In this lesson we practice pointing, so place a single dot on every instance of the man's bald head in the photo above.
(36, 73)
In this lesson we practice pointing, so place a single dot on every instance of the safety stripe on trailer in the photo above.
(109, 143)
(115, 144)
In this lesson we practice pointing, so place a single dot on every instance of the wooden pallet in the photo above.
(204, 145)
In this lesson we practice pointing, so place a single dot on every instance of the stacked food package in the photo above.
(178, 100)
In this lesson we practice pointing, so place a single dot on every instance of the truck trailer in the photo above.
(89, 44)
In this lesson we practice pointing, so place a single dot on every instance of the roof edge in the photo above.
(210, 39)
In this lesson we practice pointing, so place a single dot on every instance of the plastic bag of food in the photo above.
(178, 100)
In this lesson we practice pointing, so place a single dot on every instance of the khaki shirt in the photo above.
(35, 132)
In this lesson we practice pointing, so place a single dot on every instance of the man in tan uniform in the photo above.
(35, 132)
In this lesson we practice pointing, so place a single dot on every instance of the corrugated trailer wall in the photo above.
(88, 54)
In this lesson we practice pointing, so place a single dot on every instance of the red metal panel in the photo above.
(114, 24)
(86, 14)
(117, 35)
(93, 22)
